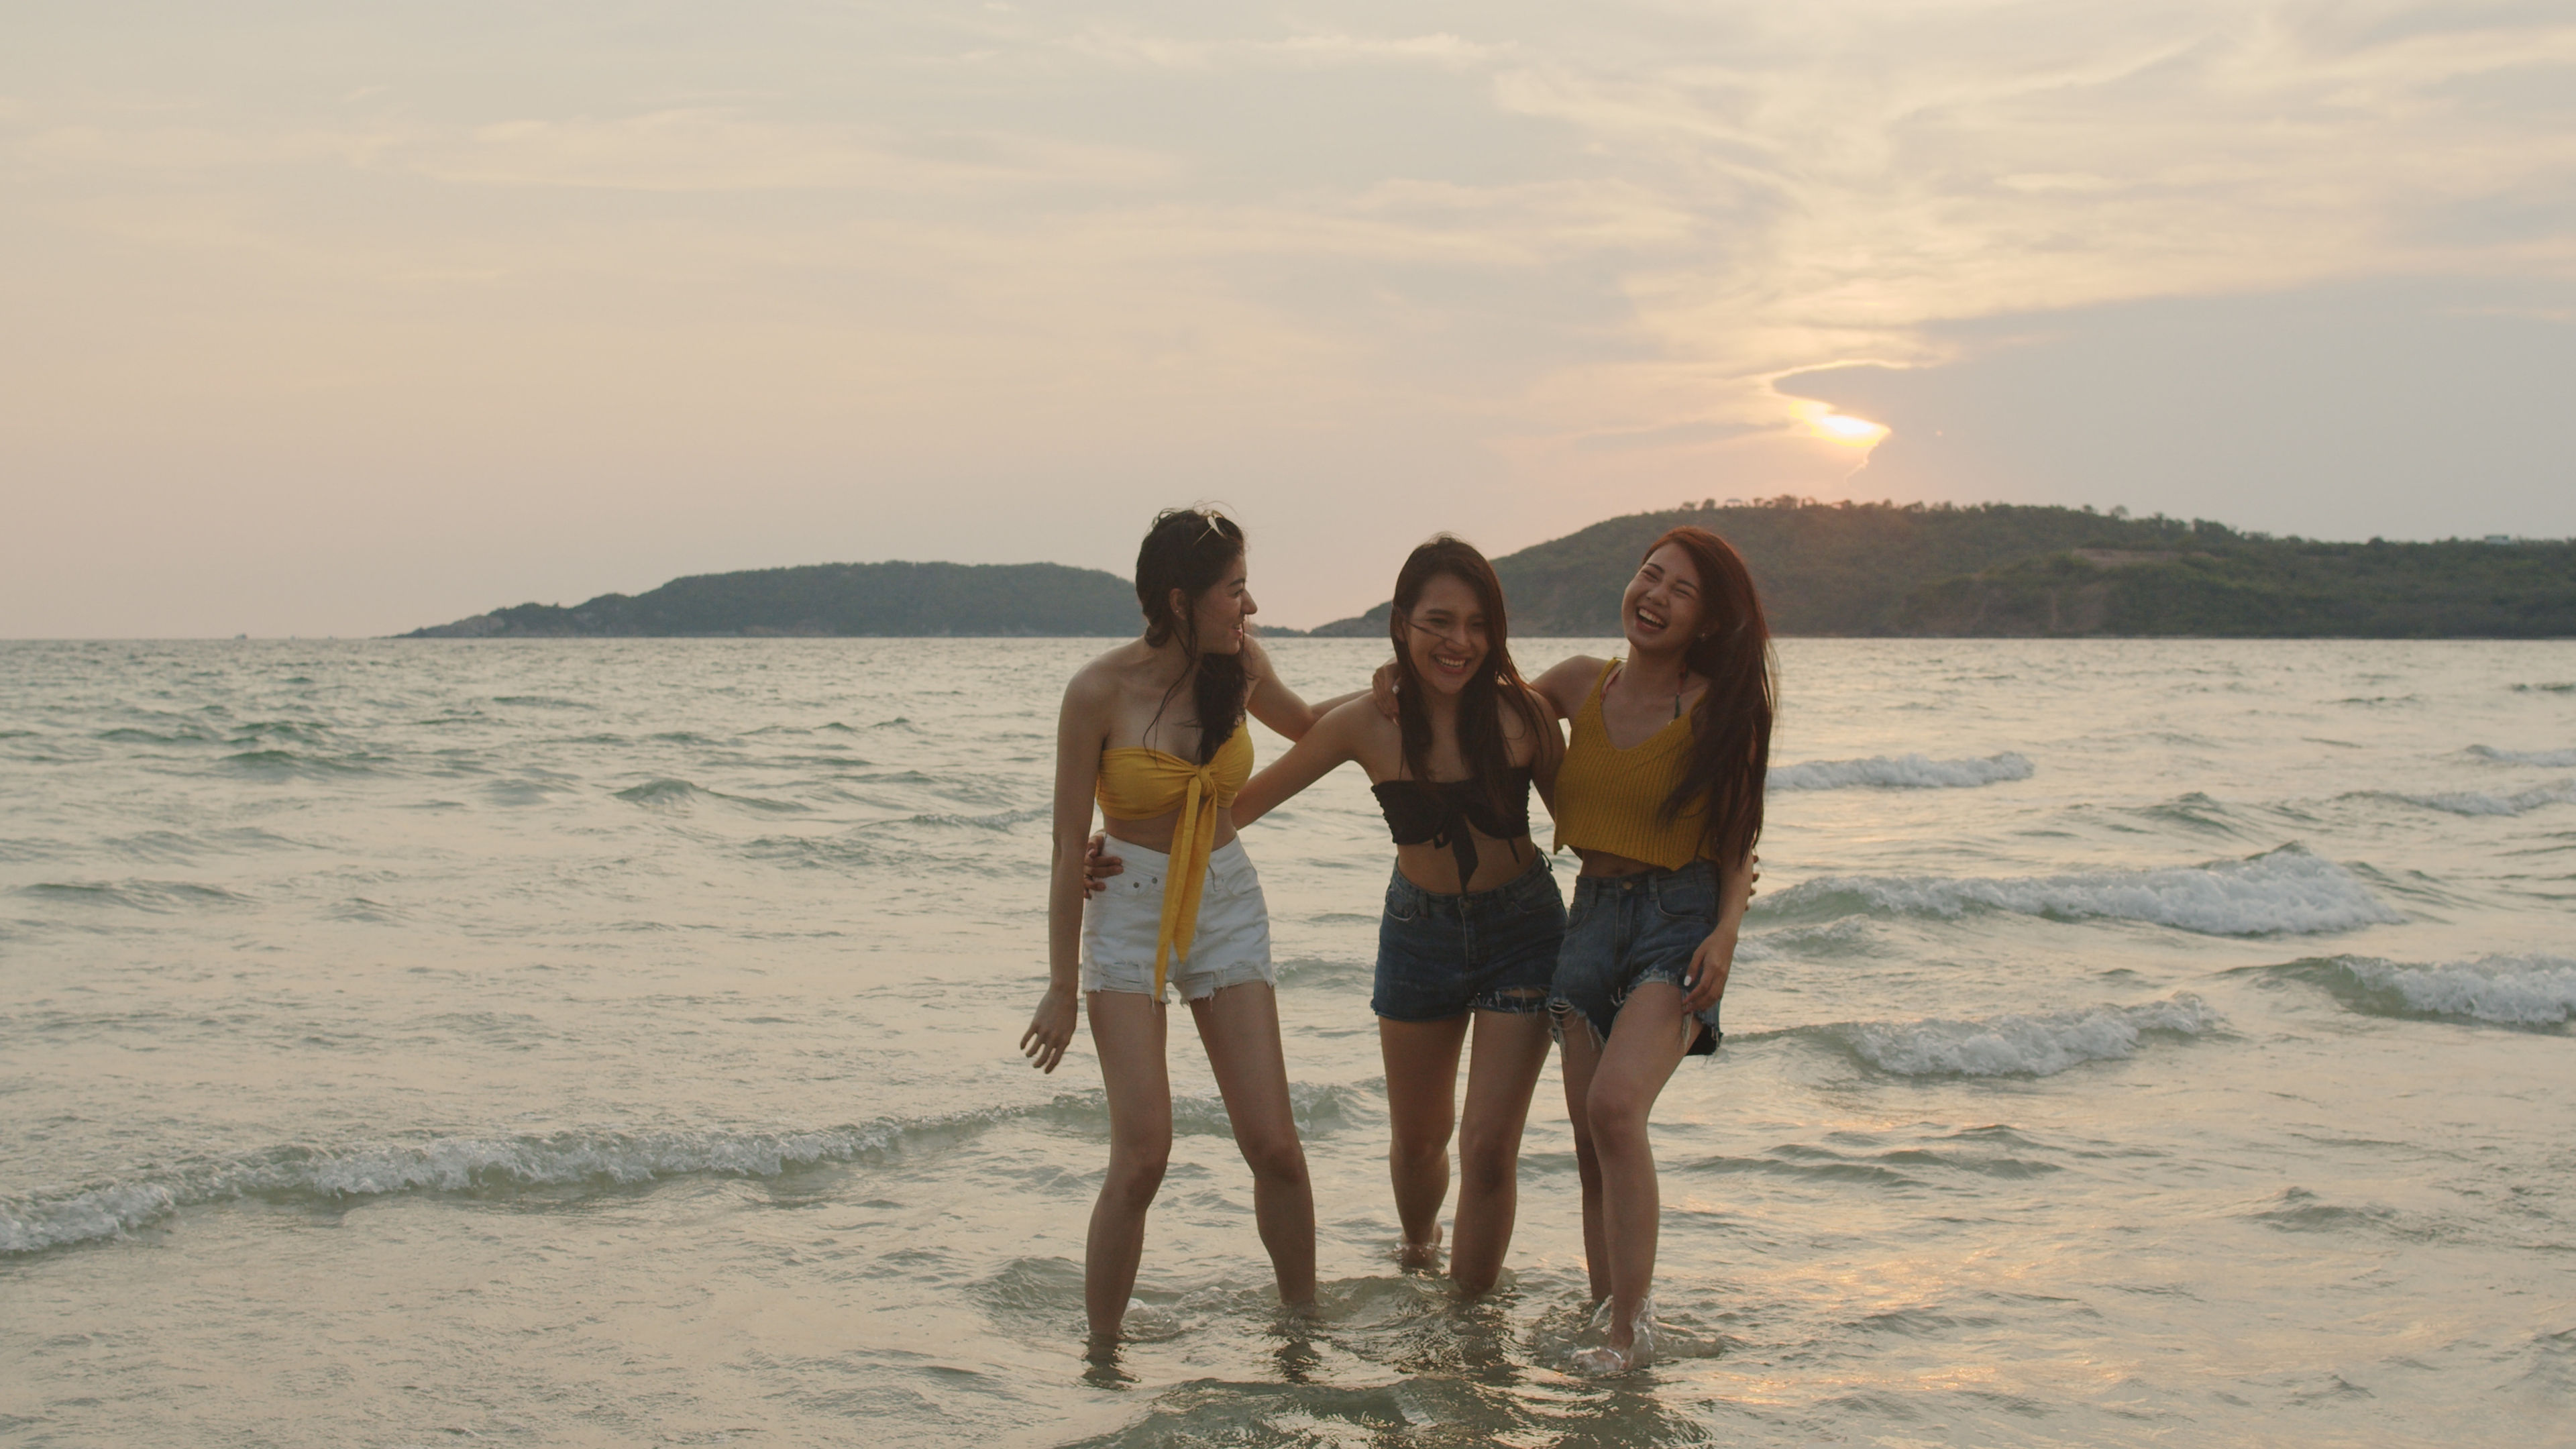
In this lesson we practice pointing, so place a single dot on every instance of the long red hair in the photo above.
(1731, 727)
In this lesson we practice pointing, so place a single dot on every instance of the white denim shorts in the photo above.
(1119, 925)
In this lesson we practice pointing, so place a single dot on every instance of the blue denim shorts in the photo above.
(1625, 930)
(1439, 955)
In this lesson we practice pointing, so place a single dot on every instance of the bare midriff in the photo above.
(1605, 862)
(1156, 833)
(1499, 862)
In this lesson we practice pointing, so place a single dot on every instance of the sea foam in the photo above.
(2478, 802)
(1900, 772)
(2547, 759)
(2508, 990)
(513, 1162)
(2037, 1045)
(2284, 891)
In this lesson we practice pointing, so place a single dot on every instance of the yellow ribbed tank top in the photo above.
(1138, 784)
(1612, 799)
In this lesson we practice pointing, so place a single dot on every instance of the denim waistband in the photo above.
(1511, 895)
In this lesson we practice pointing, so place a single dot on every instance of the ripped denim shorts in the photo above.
(1440, 954)
(1625, 930)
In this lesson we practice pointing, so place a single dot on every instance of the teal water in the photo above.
(613, 1042)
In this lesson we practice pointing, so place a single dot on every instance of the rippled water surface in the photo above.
(613, 1042)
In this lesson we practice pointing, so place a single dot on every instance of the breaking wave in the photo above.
(2286, 891)
(2507, 990)
(2037, 1045)
(2547, 759)
(666, 792)
(599, 1159)
(2478, 802)
(1900, 772)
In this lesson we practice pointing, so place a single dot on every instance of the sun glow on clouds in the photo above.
(1505, 269)
(1817, 420)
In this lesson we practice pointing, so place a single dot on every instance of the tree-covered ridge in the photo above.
(881, 599)
(2010, 569)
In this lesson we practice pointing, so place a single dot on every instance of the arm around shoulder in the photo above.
(1564, 684)
(1334, 741)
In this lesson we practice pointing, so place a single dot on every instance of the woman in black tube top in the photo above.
(1473, 921)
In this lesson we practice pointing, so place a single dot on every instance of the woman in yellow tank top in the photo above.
(1153, 730)
(1661, 793)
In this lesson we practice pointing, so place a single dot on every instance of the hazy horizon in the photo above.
(343, 323)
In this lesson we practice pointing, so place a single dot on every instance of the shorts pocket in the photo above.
(1403, 903)
(1233, 879)
(1687, 896)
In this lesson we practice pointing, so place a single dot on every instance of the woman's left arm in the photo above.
(1274, 703)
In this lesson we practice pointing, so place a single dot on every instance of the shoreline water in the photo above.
(2133, 1043)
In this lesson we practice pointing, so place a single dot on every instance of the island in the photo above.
(2012, 570)
(1834, 569)
(826, 600)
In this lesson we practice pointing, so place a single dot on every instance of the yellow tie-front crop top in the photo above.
(1138, 784)
(1612, 799)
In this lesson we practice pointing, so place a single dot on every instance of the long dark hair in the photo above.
(1480, 725)
(1190, 549)
(1731, 728)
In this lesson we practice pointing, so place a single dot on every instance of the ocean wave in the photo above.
(1900, 772)
(2037, 1045)
(2562, 688)
(2547, 759)
(287, 762)
(499, 1164)
(2478, 802)
(1000, 820)
(129, 735)
(162, 897)
(2508, 990)
(2284, 891)
(667, 791)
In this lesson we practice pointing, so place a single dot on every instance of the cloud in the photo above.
(2412, 408)
(708, 149)
(1535, 263)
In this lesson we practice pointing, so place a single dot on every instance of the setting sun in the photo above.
(1823, 422)
(1850, 429)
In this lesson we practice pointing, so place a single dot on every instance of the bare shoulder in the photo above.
(1356, 722)
(1515, 723)
(1096, 685)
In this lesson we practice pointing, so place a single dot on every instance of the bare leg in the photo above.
(1239, 1026)
(1582, 1059)
(1422, 1110)
(1127, 1032)
(1646, 1043)
(1502, 1071)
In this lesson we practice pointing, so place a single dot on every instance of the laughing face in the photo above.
(1445, 634)
(1663, 608)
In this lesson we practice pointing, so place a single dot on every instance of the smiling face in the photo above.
(1221, 611)
(1445, 636)
(1663, 608)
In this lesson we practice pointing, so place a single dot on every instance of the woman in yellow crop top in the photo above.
(1661, 793)
(1153, 730)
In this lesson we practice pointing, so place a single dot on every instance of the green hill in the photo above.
(878, 599)
(2013, 570)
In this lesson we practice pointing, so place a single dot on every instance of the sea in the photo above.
(607, 1042)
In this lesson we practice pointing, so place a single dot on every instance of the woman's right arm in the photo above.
(1334, 741)
(1080, 732)
(1566, 682)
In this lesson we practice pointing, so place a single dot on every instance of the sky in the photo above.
(331, 319)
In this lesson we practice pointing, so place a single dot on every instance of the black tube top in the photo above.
(1439, 812)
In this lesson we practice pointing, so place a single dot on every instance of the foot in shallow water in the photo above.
(1612, 1358)
(1411, 1254)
